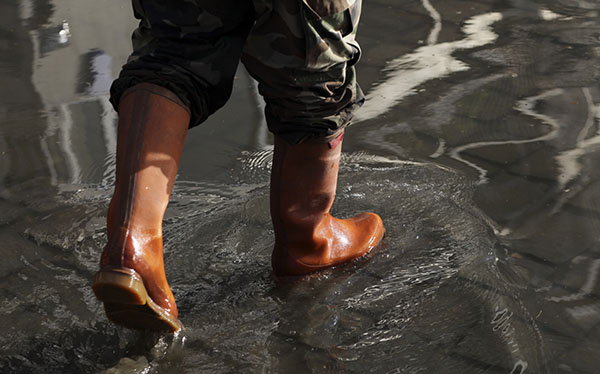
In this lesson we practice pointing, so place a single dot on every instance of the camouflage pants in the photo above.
(301, 52)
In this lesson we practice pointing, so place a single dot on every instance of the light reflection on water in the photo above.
(490, 263)
(432, 61)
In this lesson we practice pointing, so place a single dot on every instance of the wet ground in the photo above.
(478, 147)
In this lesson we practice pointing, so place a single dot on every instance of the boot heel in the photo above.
(127, 303)
(119, 285)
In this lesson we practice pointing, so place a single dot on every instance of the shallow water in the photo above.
(477, 147)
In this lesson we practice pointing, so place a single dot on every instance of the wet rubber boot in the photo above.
(131, 282)
(307, 237)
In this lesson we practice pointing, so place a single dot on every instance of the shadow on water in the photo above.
(478, 147)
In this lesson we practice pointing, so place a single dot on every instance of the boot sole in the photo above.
(323, 271)
(127, 303)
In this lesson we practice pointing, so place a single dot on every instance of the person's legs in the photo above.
(181, 71)
(303, 59)
(310, 88)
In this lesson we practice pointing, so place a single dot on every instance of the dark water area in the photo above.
(478, 147)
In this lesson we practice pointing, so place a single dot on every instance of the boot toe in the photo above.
(370, 225)
(376, 228)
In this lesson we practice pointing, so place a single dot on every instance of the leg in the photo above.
(132, 281)
(311, 93)
(180, 72)
(307, 237)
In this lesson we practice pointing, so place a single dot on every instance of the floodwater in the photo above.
(478, 147)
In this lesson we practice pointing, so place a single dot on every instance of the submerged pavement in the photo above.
(478, 146)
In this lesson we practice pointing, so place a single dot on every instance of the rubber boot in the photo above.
(131, 282)
(307, 237)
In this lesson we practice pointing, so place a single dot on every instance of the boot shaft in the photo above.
(150, 138)
(303, 186)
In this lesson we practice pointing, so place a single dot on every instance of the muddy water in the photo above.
(477, 147)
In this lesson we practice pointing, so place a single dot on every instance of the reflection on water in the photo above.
(478, 147)
(433, 61)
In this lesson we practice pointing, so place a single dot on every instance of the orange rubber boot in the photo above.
(131, 282)
(307, 237)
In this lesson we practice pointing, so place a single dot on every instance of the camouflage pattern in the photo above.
(301, 52)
